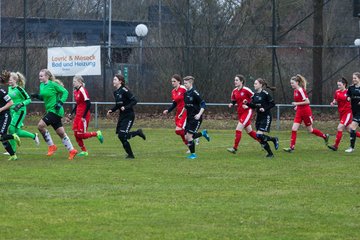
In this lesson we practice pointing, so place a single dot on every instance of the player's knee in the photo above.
(122, 136)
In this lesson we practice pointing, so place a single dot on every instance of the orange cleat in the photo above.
(72, 154)
(51, 150)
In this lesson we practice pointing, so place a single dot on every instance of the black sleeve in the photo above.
(270, 103)
(88, 105)
(116, 107)
(132, 99)
(172, 107)
(73, 111)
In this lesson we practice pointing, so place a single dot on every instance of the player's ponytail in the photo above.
(48, 74)
(20, 79)
(80, 79)
(241, 78)
(177, 77)
(121, 79)
(4, 77)
(265, 85)
(300, 80)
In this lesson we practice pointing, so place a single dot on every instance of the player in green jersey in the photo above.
(53, 95)
(18, 110)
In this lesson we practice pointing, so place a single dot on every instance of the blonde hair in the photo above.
(20, 79)
(301, 80)
(58, 81)
(48, 73)
(189, 78)
(80, 79)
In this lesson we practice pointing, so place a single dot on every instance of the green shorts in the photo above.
(17, 118)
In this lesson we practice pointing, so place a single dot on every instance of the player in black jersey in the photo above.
(5, 118)
(124, 101)
(263, 102)
(195, 107)
(353, 94)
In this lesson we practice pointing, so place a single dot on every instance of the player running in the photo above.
(353, 95)
(263, 102)
(54, 95)
(194, 107)
(18, 110)
(240, 95)
(303, 112)
(344, 109)
(82, 116)
(125, 101)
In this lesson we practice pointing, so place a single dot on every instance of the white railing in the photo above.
(278, 107)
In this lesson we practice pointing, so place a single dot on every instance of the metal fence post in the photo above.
(278, 117)
(96, 116)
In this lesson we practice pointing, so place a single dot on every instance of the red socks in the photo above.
(181, 133)
(293, 139)
(318, 133)
(253, 135)
(238, 134)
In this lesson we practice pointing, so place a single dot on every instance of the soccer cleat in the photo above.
(36, 139)
(197, 141)
(141, 134)
(349, 150)
(276, 143)
(192, 156)
(17, 139)
(205, 135)
(6, 153)
(82, 154)
(13, 158)
(231, 150)
(100, 136)
(130, 157)
(332, 147)
(72, 154)
(289, 150)
(51, 150)
(326, 139)
(270, 155)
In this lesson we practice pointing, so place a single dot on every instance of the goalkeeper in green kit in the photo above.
(54, 95)
(18, 110)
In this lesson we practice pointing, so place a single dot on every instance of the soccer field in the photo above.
(312, 193)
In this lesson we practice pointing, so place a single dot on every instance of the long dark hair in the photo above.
(343, 81)
(241, 78)
(121, 79)
(177, 77)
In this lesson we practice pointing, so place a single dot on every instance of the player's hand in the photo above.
(262, 110)
(245, 106)
(295, 108)
(18, 106)
(197, 116)
(108, 114)
(83, 120)
(58, 105)
(230, 105)
(165, 112)
(122, 108)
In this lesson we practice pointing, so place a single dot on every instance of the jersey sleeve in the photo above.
(25, 96)
(63, 93)
(131, 98)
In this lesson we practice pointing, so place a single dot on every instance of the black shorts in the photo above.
(125, 123)
(263, 123)
(192, 125)
(5, 120)
(53, 120)
(356, 117)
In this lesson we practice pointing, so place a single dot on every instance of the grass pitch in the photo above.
(312, 193)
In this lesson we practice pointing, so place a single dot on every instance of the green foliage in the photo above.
(312, 193)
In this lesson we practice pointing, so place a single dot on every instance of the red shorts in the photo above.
(346, 119)
(306, 117)
(245, 117)
(180, 122)
(79, 125)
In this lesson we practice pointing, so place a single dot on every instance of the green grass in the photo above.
(312, 193)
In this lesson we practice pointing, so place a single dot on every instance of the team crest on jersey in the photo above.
(241, 94)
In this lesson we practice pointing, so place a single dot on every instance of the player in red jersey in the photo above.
(82, 115)
(344, 109)
(241, 95)
(303, 111)
(177, 95)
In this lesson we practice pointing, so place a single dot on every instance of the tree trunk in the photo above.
(317, 51)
